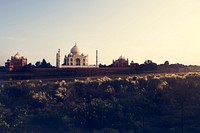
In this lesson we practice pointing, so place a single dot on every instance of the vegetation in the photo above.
(43, 64)
(2, 69)
(38, 64)
(150, 66)
(167, 103)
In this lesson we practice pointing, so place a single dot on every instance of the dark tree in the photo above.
(166, 63)
(2, 69)
(43, 64)
(148, 62)
(38, 63)
(149, 65)
(28, 68)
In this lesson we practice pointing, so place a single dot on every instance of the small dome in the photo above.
(17, 56)
(75, 50)
(121, 58)
(70, 55)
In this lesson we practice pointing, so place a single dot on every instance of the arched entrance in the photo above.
(78, 62)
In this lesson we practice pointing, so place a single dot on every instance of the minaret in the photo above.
(58, 59)
(97, 58)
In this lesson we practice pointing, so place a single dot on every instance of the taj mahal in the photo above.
(74, 59)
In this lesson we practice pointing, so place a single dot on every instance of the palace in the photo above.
(120, 62)
(16, 63)
(75, 59)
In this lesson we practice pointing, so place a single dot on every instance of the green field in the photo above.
(152, 103)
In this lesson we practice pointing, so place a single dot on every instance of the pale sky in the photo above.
(158, 30)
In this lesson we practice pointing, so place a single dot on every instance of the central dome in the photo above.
(17, 56)
(75, 50)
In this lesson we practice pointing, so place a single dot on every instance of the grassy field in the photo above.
(151, 103)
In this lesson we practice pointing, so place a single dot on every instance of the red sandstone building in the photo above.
(16, 63)
(120, 62)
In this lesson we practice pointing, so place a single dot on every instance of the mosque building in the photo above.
(74, 59)
(16, 63)
(120, 62)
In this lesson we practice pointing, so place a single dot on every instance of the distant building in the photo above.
(16, 63)
(75, 58)
(120, 62)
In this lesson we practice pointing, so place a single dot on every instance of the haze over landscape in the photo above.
(136, 29)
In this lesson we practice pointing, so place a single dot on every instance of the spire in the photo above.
(58, 59)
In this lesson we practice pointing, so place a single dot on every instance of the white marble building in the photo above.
(75, 58)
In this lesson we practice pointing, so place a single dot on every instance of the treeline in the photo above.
(147, 66)
(147, 104)
(30, 66)
(38, 64)
(151, 66)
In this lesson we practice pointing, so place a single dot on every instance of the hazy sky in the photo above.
(159, 30)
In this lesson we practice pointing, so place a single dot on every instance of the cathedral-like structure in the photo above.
(75, 58)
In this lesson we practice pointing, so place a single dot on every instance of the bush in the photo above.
(150, 103)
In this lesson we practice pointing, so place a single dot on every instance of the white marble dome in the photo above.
(75, 50)
(17, 56)
(75, 58)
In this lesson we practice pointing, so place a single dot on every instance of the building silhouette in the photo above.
(16, 63)
(120, 62)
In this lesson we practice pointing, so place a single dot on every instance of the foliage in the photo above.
(30, 67)
(137, 104)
